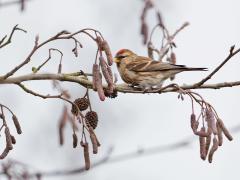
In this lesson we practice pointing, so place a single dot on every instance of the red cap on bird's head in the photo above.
(121, 51)
(121, 54)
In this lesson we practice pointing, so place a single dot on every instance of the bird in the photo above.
(144, 72)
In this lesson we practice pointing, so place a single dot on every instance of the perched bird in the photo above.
(145, 72)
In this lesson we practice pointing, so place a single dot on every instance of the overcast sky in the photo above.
(130, 121)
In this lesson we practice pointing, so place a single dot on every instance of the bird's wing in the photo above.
(144, 64)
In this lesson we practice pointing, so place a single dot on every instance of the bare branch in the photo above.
(231, 54)
(37, 94)
(170, 39)
(43, 96)
(123, 88)
(9, 40)
(59, 36)
(35, 70)
(14, 2)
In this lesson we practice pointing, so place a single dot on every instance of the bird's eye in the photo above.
(122, 56)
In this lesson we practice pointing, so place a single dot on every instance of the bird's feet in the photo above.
(173, 85)
(137, 87)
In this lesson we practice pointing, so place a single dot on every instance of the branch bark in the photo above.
(123, 88)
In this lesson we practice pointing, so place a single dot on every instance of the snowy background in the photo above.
(130, 121)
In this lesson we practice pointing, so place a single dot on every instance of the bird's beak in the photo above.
(116, 59)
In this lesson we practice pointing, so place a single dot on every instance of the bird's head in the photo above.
(121, 54)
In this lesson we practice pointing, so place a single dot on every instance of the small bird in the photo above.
(145, 72)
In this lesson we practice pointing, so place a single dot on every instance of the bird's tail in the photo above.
(195, 69)
(185, 68)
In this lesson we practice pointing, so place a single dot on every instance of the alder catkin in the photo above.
(61, 125)
(211, 121)
(13, 139)
(4, 153)
(75, 140)
(194, 123)
(144, 32)
(17, 125)
(100, 43)
(61, 137)
(208, 142)
(202, 143)
(225, 131)
(108, 52)
(160, 20)
(202, 132)
(97, 82)
(220, 136)
(213, 149)
(95, 71)
(105, 70)
(100, 87)
(93, 140)
(86, 155)
(8, 139)
(110, 86)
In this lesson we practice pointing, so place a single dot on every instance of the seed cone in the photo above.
(82, 103)
(91, 119)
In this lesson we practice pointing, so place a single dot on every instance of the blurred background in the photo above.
(129, 122)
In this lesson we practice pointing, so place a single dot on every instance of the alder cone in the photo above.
(82, 103)
(91, 119)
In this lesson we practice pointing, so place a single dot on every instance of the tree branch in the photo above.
(123, 88)
(231, 54)
(15, 28)
(14, 2)
(63, 35)
(27, 90)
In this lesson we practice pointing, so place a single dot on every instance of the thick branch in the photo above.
(83, 81)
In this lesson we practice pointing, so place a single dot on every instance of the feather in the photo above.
(144, 64)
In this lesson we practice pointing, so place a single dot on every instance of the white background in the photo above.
(129, 121)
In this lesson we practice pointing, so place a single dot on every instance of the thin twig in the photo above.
(37, 94)
(10, 3)
(43, 96)
(49, 57)
(164, 49)
(8, 41)
(59, 36)
(231, 54)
